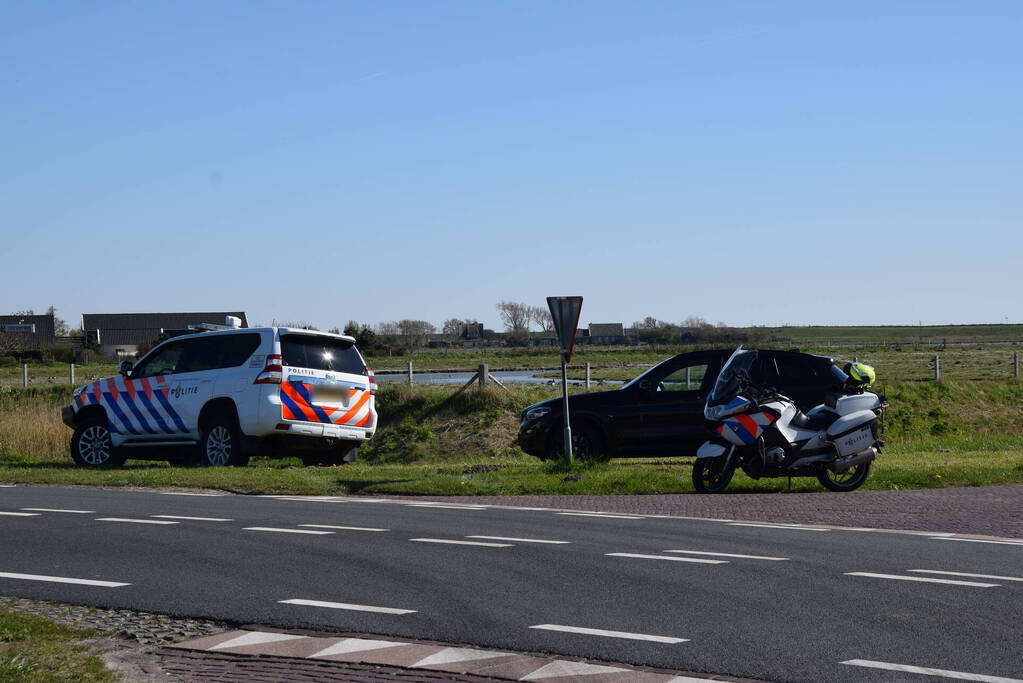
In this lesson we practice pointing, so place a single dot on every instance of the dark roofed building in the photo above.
(607, 333)
(27, 331)
(123, 333)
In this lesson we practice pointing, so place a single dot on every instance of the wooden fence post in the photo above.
(71, 372)
(1015, 364)
(587, 377)
(483, 374)
(410, 373)
(937, 368)
(24, 375)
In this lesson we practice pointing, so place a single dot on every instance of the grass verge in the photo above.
(37, 650)
(430, 442)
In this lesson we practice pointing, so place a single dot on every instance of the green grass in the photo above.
(37, 650)
(956, 433)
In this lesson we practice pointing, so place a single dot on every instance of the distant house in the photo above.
(607, 333)
(122, 334)
(27, 331)
(471, 331)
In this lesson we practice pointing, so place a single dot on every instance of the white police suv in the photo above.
(228, 393)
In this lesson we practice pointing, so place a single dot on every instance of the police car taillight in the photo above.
(372, 380)
(273, 371)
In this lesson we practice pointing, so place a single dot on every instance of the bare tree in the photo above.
(60, 327)
(415, 332)
(648, 323)
(452, 326)
(542, 318)
(515, 316)
(696, 322)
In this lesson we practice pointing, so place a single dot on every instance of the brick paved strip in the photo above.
(260, 654)
(979, 510)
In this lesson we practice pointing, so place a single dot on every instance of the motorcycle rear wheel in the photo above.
(711, 475)
(849, 480)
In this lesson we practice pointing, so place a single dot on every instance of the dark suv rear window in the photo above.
(321, 353)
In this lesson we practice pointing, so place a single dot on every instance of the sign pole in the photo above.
(565, 316)
(564, 395)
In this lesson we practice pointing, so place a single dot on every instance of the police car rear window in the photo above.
(321, 353)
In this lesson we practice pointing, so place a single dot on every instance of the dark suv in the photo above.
(660, 412)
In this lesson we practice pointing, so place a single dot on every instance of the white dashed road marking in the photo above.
(927, 671)
(20, 514)
(285, 531)
(923, 579)
(777, 526)
(697, 560)
(62, 579)
(347, 606)
(452, 542)
(520, 540)
(133, 521)
(971, 576)
(343, 528)
(194, 519)
(744, 557)
(597, 514)
(442, 507)
(609, 634)
(77, 512)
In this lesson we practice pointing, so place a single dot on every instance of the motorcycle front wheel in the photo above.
(711, 475)
(849, 480)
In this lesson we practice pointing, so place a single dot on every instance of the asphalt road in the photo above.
(706, 610)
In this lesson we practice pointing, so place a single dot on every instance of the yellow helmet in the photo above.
(861, 373)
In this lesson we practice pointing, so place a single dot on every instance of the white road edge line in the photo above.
(972, 576)
(194, 519)
(77, 512)
(609, 634)
(697, 560)
(442, 507)
(923, 579)
(927, 671)
(744, 557)
(347, 606)
(453, 542)
(597, 514)
(62, 579)
(777, 526)
(183, 493)
(285, 531)
(975, 540)
(20, 514)
(520, 540)
(134, 521)
(344, 528)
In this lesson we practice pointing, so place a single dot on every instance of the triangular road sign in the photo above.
(565, 312)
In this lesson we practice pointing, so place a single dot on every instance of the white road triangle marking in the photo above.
(562, 668)
(255, 638)
(450, 655)
(350, 645)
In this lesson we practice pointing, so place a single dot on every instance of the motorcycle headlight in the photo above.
(537, 413)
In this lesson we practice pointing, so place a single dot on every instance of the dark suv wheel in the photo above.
(587, 444)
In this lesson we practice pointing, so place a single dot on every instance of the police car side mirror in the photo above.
(125, 368)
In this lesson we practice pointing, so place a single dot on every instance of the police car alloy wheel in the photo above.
(91, 446)
(218, 446)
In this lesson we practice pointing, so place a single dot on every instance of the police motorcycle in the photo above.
(763, 432)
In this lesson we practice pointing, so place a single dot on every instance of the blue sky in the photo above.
(748, 162)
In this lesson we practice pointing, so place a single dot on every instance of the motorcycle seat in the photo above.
(816, 422)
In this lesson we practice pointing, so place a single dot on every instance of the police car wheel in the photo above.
(91, 445)
(220, 444)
